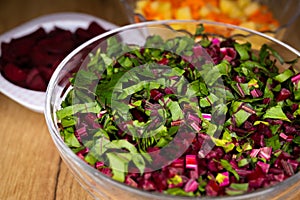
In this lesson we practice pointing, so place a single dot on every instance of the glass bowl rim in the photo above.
(92, 172)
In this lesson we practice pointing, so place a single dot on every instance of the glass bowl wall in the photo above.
(103, 187)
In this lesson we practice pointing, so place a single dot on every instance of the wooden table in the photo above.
(30, 166)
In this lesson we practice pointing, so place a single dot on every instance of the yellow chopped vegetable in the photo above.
(244, 13)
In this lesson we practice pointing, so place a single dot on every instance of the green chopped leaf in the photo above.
(211, 129)
(241, 116)
(265, 47)
(154, 41)
(285, 75)
(240, 186)
(297, 140)
(268, 92)
(125, 62)
(226, 144)
(90, 159)
(118, 162)
(84, 78)
(92, 107)
(99, 146)
(71, 140)
(113, 47)
(199, 30)
(237, 188)
(275, 112)
(175, 110)
(229, 168)
(106, 59)
(139, 162)
(242, 50)
(245, 147)
(69, 121)
(212, 74)
(275, 128)
(273, 142)
(163, 142)
(208, 100)
(243, 162)
(178, 192)
(121, 144)
(296, 91)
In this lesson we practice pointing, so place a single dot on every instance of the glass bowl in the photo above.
(287, 13)
(101, 186)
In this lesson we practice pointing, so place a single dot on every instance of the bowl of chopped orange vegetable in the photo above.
(272, 17)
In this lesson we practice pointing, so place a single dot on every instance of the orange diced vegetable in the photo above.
(237, 12)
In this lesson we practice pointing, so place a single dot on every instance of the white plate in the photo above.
(35, 100)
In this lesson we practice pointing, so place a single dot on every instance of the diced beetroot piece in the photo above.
(258, 139)
(38, 84)
(32, 73)
(14, 73)
(160, 181)
(240, 79)
(5, 52)
(38, 34)
(81, 35)
(35, 81)
(156, 94)
(265, 152)
(58, 32)
(58, 44)
(137, 114)
(178, 163)
(213, 166)
(294, 164)
(106, 171)
(263, 166)
(99, 164)
(295, 78)
(95, 29)
(212, 188)
(46, 73)
(289, 129)
(191, 185)
(163, 61)
(41, 58)
(266, 100)
(283, 95)
(148, 185)
(243, 172)
(257, 183)
(21, 46)
(256, 178)
(191, 162)
(256, 93)
(129, 181)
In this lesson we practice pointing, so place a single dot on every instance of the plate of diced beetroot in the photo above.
(30, 53)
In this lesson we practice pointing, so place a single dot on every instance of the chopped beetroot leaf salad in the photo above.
(189, 116)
